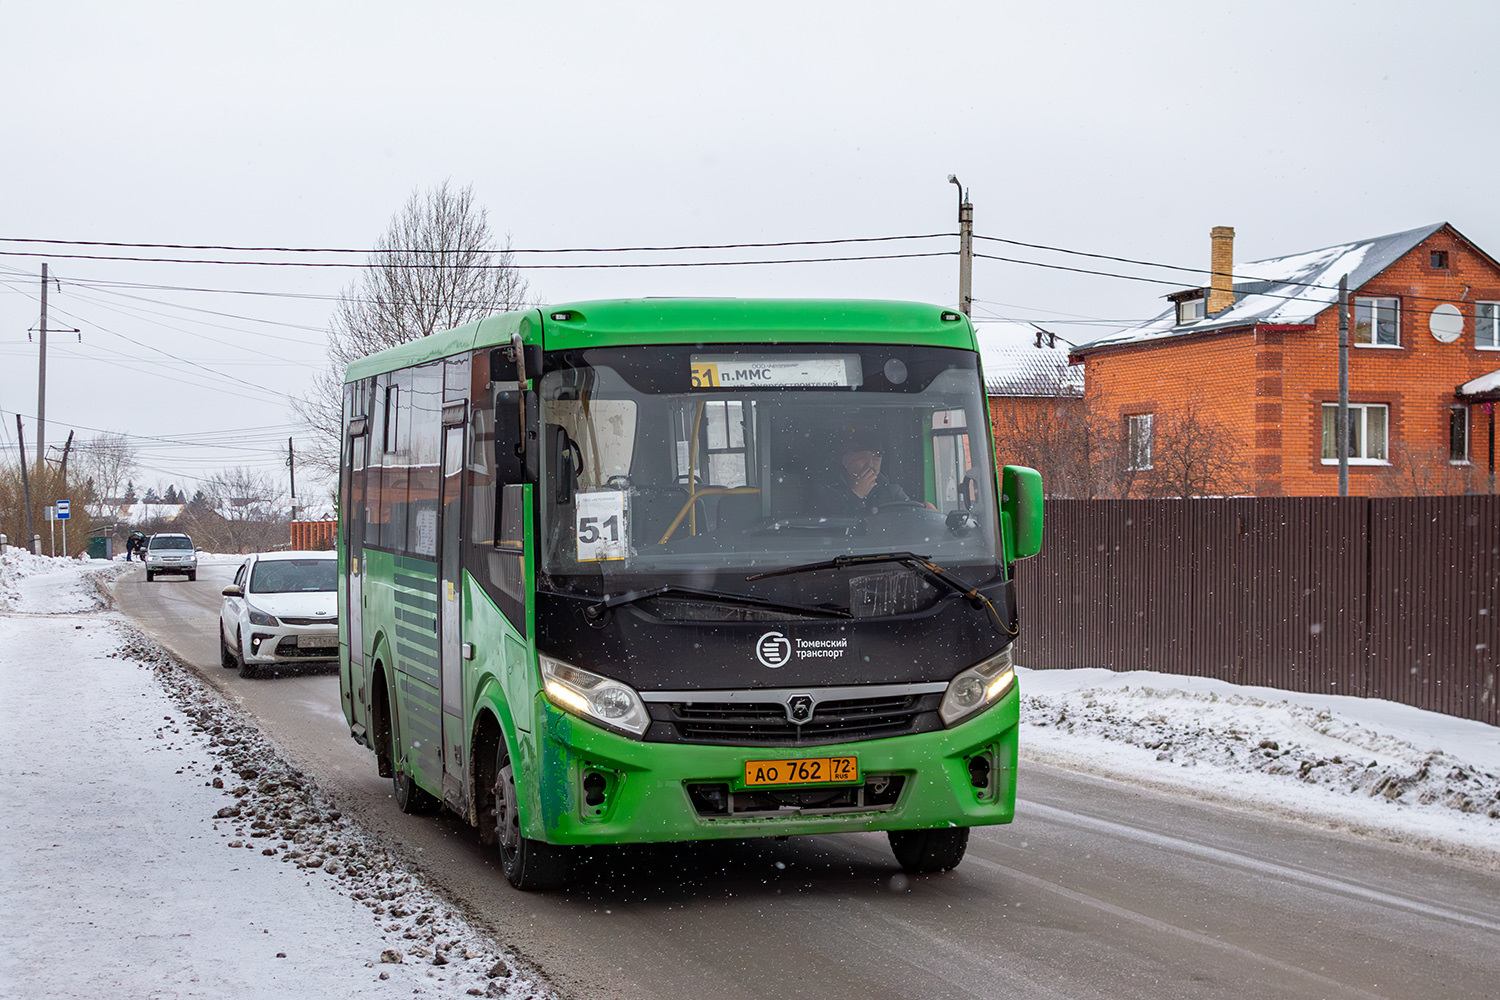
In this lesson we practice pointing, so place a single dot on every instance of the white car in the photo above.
(170, 553)
(281, 609)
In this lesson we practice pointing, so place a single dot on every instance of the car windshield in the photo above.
(171, 542)
(294, 576)
(680, 464)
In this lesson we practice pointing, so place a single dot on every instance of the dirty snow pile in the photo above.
(53, 585)
(1375, 766)
(157, 845)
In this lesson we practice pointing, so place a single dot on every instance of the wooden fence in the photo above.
(1394, 598)
(314, 534)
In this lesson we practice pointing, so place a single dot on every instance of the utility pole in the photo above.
(291, 464)
(1342, 428)
(41, 383)
(965, 249)
(31, 537)
(64, 470)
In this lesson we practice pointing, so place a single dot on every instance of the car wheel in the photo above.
(247, 669)
(529, 865)
(227, 659)
(192, 576)
(923, 852)
(150, 576)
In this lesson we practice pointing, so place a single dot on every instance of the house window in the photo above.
(1458, 434)
(1189, 310)
(1377, 322)
(1138, 440)
(1487, 325)
(1368, 425)
(1439, 260)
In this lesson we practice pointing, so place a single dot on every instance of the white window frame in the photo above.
(1490, 340)
(1191, 310)
(1376, 303)
(1454, 410)
(1138, 440)
(1359, 428)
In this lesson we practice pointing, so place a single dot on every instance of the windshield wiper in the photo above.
(596, 611)
(922, 564)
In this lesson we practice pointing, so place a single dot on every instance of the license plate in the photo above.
(801, 771)
(316, 641)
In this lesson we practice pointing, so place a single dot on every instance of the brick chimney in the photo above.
(1221, 290)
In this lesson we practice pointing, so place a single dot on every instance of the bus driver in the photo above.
(862, 487)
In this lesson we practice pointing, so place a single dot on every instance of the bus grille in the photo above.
(766, 723)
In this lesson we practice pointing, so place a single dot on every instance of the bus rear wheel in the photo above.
(923, 852)
(529, 865)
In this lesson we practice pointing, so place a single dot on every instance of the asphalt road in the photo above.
(1098, 890)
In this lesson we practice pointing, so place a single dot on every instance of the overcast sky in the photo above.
(1103, 127)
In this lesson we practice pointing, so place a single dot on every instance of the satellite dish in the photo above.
(1446, 323)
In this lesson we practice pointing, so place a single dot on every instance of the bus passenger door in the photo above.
(450, 603)
(354, 555)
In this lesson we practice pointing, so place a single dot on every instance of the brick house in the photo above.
(1035, 401)
(1255, 354)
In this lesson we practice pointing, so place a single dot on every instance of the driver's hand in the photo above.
(864, 481)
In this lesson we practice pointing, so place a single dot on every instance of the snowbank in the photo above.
(156, 844)
(1377, 767)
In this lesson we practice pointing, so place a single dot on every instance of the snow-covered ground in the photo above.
(1375, 767)
(155, 845)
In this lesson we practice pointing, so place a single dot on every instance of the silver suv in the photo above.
(171, 554)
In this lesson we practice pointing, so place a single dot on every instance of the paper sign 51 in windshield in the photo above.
(602, 528)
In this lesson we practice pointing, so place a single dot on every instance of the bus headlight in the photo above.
(978, 688)
(599, 699)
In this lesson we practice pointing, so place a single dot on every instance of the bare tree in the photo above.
(1191, 455)
(1417, 471)
(437, 266)
(1052, 437)
(109, 459)
(239, 510)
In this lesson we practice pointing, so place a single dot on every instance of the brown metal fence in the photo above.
(1395, 598)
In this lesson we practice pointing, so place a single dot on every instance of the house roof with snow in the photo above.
(1019, 359)
(1281, 291)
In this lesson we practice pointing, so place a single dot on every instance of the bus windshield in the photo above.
(710, 463)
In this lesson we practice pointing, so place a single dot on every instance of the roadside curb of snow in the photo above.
(280, 815)
(1429, 779)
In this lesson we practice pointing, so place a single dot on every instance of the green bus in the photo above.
(677, 569)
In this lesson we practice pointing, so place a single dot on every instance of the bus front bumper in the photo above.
(598, 787)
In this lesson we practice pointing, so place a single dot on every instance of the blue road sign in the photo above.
(62, 510)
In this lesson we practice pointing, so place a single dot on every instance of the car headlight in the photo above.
(599, 699)
(977, 688)
(258, 617)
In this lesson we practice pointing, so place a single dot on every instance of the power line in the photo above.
(502, 250)
(481, 267)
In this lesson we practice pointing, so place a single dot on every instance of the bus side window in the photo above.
(952, 460)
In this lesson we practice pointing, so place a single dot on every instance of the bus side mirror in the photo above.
(1021, 511)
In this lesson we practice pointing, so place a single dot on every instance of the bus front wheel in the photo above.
(922, 852)
(529, 865)
(410, 797)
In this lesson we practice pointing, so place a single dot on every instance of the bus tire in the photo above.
(529, 865)
(923, 852)
(410, 797)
